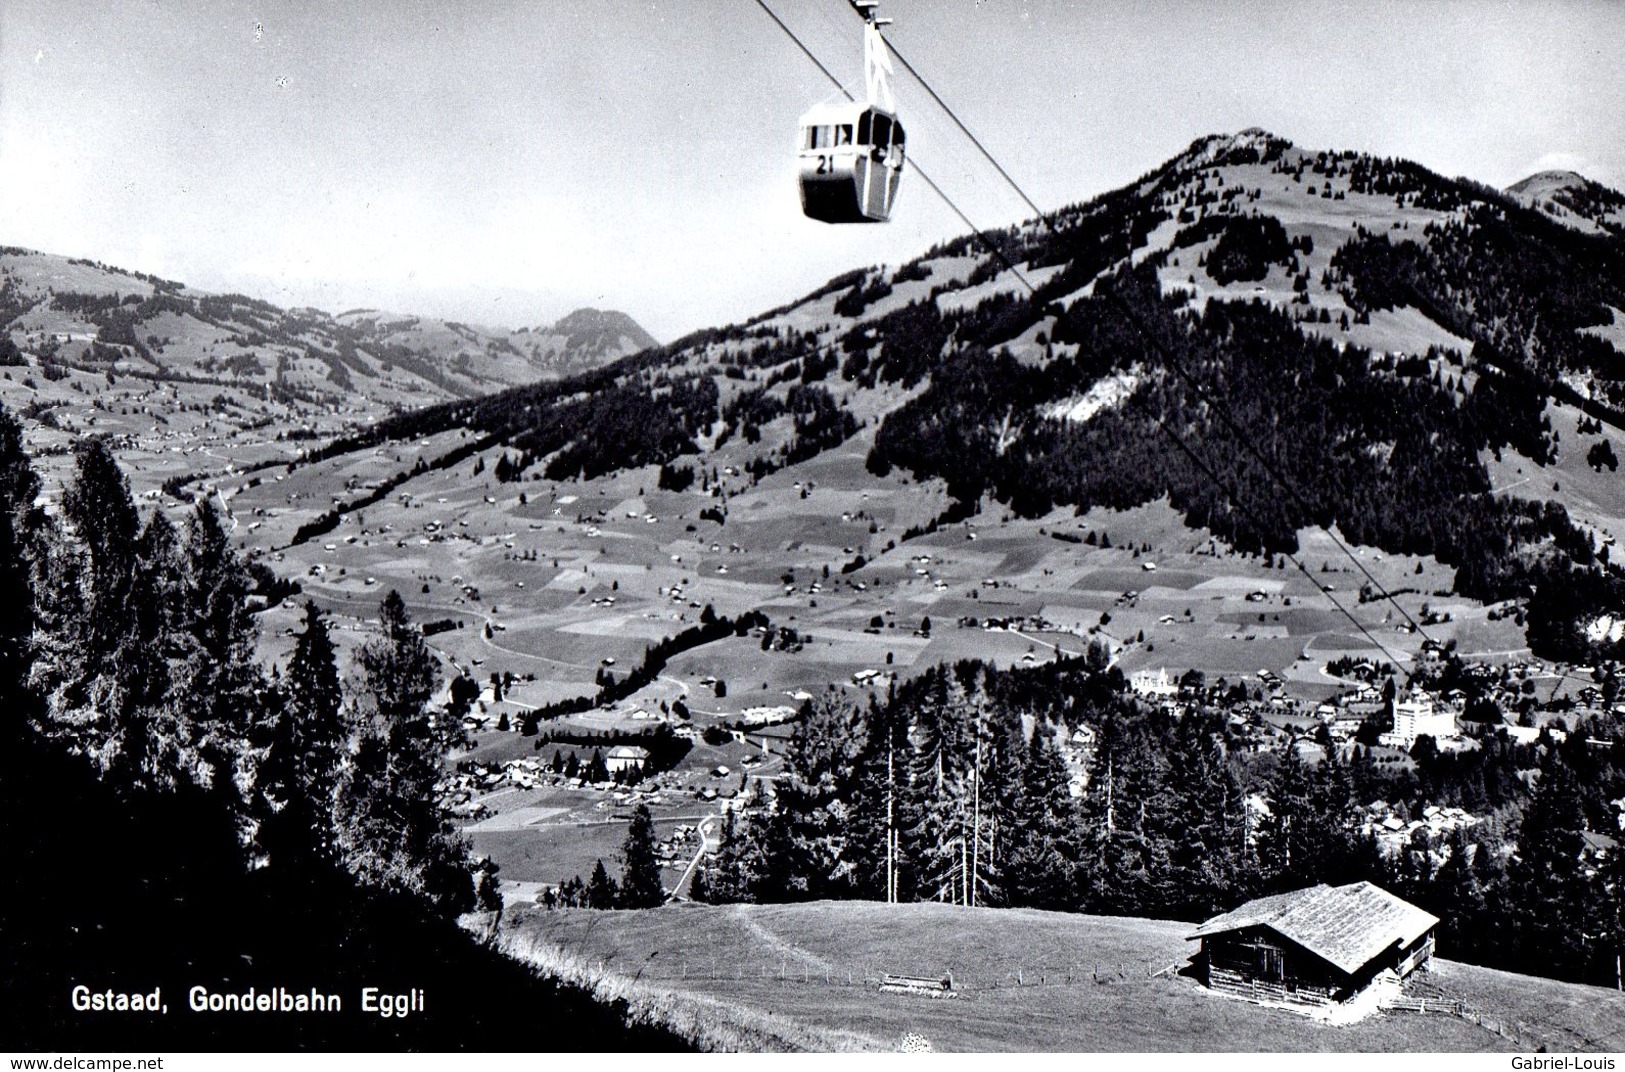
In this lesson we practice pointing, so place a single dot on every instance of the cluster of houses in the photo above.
(1415, 712)
(675, 850)
(461, 789)
(1395, 829)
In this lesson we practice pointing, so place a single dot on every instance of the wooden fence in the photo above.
(786, 972)
(1447, 1006)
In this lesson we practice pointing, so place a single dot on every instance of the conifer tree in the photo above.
(21, 523)
(300, 773)
(1042, 869)
(100, 651)
(730, 875)
(1003, 804)
(21, 526)
(878, 800)
(1457, 898)
(156, 745)
(98, 505)
(1286, 841)
(809, 822)
(1556, 905)
(941, 788)
(1126, 820)
(1208, 856)
(220, 685)
(85, 605)
(640, 869)
(601, 892)
(393, 832)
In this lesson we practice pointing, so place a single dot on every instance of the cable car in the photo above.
(850, 153)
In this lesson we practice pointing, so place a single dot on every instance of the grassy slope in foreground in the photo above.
(792, 963)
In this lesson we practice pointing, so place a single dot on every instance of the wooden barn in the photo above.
(1314, 947)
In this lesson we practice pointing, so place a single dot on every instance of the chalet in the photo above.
(1315, 947)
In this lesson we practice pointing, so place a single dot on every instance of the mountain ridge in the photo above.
(1400, 329)
(77, 312)
(1339, 339)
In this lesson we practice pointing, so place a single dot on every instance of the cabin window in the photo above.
(843, 134)
(882, 130)
(863, 129)
(821, 137)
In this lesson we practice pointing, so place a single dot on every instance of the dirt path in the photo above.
(776, 944)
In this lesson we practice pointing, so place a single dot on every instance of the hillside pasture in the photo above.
(1028, 980)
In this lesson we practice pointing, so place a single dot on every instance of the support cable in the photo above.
(1151, 340)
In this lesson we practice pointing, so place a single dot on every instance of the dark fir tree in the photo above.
(729, 876)
(157, 745)
(300, 773)
(220, 685)
(880, 778)
(393, 832)
(640, 868)
(1002, 806)
(1042, 868)
(602, 893)
(809, 822)
(20, 526)
(1208, 855)
(1555, 899)
(1126, 807)
(86, 650)
(1286, 836)
(936, 843)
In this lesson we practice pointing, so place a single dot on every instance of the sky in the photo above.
(505, 162)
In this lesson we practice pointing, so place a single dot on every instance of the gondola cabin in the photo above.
(851, 158)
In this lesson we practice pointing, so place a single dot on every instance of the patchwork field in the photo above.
(550, 586)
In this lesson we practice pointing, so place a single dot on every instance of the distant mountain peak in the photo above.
(588, 324)
(1253, 145)
(82, 315)
(1547, 182)
(1573, 200)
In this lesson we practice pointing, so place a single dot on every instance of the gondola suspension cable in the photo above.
(1146, 334)
(911, 162)
(1235, 501)
(1247, 444)
(1184, 374)
(974, 140)
(1251, 448)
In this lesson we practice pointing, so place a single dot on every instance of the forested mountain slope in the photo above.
(1268, 336)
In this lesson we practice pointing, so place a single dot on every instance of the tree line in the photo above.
(963, 786)
(173, 812)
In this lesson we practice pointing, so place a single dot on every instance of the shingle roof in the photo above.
(1345, 925)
